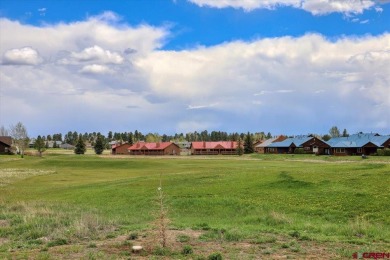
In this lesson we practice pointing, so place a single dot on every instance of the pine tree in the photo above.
(99, 146)
(239, 149)
(248, 146)
(80, 146)
(345, 133)
(40, 145)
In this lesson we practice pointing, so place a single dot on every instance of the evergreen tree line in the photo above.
(133, 137)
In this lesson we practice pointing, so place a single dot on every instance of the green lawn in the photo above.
(319, 199)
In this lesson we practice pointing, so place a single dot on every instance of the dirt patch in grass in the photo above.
(267, 246)
(4, 223)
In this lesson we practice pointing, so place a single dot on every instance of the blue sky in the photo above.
(285, 66)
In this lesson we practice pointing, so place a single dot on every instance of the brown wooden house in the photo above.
(260, 148)
(358, 144)
(214, 148)
(310, 144)
(120, 148)
(159, 148)
(5, 144)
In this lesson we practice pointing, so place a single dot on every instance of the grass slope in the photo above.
(69, 197)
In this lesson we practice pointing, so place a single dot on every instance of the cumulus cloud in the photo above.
(78, 36)
(22, 56)
(94, 54)
(96, 69)
(316, 7)
(286, 74)
(272, 83)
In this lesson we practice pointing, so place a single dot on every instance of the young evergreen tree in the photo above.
(80, 146)
(248, 146)
(345, 133)
(99, 146)
(39, 145)
(239, 149)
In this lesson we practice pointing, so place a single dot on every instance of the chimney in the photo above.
(138, 145)
(204, 144)
(232, 145)
(157, 144)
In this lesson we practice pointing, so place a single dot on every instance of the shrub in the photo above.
(299, 151)
(383, 152)
(161, 251)
(182, 238)
(57, 242)
(187, 250)
(295, 234)
(133, 236)
(202, 226)
(215, 256)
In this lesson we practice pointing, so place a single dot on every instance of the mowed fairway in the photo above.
(250, 207)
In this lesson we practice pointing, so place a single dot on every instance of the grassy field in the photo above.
(64, 206)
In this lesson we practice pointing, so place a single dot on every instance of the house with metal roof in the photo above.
(309, 143)
(260, 148)
(359, 144)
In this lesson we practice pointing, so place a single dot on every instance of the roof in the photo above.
(150, 146)
(358, 140)
(7, 140)
(214, 145)
(267, 142)
(114, 146)
(297, 141)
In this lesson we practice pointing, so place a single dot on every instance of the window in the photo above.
(340, 150)
(359, 150)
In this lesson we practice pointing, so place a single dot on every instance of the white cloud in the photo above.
(96, 69)
(201, 106)
(300, 76)
(42, 11)
(271, 83)
(77, 36)
(97, 54)
(319, 7)
(316, 7)
(22, 56)
(247, 5)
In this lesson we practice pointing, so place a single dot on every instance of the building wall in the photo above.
(308, 146)
(121, 149)
(386, 144)
(4, 149)
(213, 151)
(259, 150)
(172, 150)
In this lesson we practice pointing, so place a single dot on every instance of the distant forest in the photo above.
(136, 136)
(133, 137)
